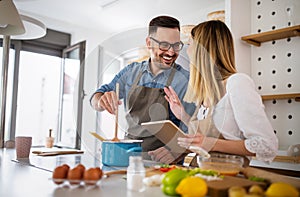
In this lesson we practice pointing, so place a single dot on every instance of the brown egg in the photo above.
(91, 176)
(66, 166)
(81, 167)
(59, 174)
(75, 175)
(100, 172)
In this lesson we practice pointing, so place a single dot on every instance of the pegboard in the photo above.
(275, 66)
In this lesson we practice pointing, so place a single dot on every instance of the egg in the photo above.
(59, 173)
(91, 176)
(66, 166)
(81, 167)
(75, 175)
(100, 172)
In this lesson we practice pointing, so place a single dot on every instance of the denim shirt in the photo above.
(127, 75)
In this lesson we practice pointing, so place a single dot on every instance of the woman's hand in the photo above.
(191, 140)
(176, 105)
(199, 140)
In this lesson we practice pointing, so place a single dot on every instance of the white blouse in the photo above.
(240, 115)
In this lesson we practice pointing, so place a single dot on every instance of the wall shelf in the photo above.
(257, 39)
(295, 96)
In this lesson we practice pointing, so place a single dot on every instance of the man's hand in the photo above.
(106, 101)
(162, 155)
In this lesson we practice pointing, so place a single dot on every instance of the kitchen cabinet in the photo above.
(257, 39)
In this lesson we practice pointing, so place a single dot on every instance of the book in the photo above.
(167, 132)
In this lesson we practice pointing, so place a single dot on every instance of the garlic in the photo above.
(152, 181)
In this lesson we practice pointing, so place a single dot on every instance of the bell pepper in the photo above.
(171, 180)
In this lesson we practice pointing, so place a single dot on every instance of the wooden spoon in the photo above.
(116, 139)
(97, 136)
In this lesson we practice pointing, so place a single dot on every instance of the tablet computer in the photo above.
(167, 132)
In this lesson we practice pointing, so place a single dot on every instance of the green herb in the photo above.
(257, 179)
(164, 165)
(203, 172)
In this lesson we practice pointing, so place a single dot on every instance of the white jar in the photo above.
(135, 174)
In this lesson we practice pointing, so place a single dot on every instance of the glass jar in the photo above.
(135, 174)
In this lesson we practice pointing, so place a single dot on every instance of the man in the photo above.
(141, 86)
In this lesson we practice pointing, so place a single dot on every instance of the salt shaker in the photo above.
(135, 174)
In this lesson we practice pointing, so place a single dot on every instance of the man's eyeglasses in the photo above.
(165, 46)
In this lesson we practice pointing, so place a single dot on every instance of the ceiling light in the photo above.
(10, 23)
(33, 29)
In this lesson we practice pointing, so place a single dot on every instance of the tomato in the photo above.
(167, 169)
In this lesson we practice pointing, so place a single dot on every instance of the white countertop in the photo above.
(33, 178)
(275, 164)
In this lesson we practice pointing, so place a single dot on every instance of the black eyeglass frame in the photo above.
(169, 44)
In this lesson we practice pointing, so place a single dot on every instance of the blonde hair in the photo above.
(212, 62)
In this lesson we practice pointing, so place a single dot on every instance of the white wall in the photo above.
(238, 19)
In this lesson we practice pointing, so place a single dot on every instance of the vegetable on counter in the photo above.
(165, 167)
(257, 179)
(171, 180)
(192, 186)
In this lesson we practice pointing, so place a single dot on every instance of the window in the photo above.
(36, 85)
(38, 95)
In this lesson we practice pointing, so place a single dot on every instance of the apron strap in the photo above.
(134, 85)
(137, 79)
(171, 76)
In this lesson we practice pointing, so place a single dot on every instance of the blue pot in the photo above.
(118, 153)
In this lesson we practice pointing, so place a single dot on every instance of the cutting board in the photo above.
(57, 152)
(219, 188)
(272, 177)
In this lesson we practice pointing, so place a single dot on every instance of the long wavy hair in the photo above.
(212, 62)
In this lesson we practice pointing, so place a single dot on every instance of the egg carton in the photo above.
(75, 183)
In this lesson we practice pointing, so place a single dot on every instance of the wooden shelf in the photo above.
(295, 96)
(257, 39)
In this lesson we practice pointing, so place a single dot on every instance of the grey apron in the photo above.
(146, 104)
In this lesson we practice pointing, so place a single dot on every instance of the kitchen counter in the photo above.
(32, 177)
(284, 168)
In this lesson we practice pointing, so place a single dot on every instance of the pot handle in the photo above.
(134, 149)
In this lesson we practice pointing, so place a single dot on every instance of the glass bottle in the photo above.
(135, 174)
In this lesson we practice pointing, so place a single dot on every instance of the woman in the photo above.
(234, 107)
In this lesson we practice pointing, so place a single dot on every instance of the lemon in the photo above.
(192, 187)
(280, 189)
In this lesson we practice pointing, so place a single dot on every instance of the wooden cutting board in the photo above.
(219, 188)
(272, 177)
(57, 152)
